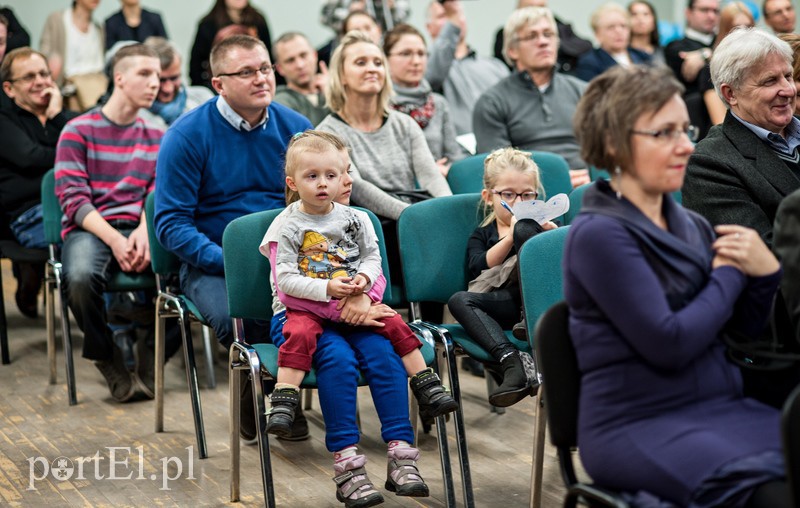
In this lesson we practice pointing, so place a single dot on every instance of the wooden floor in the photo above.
(41, 437)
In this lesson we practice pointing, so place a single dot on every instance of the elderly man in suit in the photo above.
(743, 169)
(740, 173)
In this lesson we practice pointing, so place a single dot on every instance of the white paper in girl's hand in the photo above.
(542, 211)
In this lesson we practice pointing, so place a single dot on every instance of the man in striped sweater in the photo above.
(105, 167)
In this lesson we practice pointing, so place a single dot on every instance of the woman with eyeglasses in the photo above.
(652, 291)
(407, 54)
(224, 13)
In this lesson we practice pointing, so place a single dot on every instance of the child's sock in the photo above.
(344, 454)
(398, 444)
(286, 386)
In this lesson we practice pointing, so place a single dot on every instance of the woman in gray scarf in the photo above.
(405, 49)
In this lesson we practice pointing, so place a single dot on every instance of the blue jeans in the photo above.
(209, 294)
(337, 361)
(28, 228)
(88, 264)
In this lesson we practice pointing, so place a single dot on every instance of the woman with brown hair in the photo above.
(652, 291)
(407, 54)
(224, 13)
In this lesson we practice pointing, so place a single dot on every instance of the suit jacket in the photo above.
(786, 244)
(735, 178)
(597, 61)
(675, 62)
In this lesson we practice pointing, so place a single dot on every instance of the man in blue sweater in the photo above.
(219, 162)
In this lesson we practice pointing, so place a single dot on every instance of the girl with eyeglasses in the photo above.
(509, 175)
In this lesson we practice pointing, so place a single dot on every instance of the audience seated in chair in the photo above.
(612, 29)
(304, 90)
(74, 44)
(688, 55)
(570, 46)
(174, 97)
(132, 23)
(222, 14)
(740, 173)
(533, 108)
(407, 54)
(312, 322)
(494, 302)
(29, 127)
(237, 141)
(105, 166)
(779, 15)
(455, 70)
(652, 290)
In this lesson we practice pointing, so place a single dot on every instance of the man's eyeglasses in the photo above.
(509, 196)
(266, 70)
(672, 134)
(29, 78)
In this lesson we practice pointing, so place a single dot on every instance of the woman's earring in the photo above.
(618, 175)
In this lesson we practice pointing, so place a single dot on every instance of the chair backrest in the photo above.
(541, 279)
(247, 271)
(433, 238)
(555, 357)
(554, 171)
(163, 261)
(51, 208)
(466, 176)
(575, 203)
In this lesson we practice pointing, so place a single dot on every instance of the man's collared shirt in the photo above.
(693, 34)
(235, 119)
(776, 141)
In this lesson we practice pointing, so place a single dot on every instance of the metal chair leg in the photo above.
(208, 349)
(537, 466)
(261, 428)
(50, 320)
(461, 437)
(66, 337)
(441, 436)
(159, 359)
(191, 378)
(234, 392)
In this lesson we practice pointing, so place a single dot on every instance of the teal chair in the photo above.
(466, 175)
(247, 274)
(541, 282)
(170, 303)
(433, 238)
(51, 212)
(575, 203)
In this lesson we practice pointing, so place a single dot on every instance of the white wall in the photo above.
(484, 17)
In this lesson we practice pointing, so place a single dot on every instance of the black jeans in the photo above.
(484, 316)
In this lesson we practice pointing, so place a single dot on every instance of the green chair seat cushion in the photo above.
(131, 281)
(192, 308)
(460, 337)
(268, 355)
